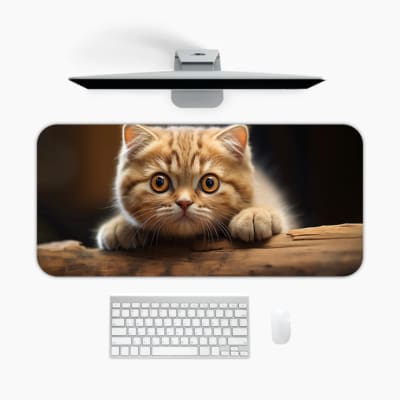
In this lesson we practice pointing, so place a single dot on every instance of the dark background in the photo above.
(318, 167)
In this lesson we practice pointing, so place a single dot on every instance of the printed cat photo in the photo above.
(234, 199)
(187, 182)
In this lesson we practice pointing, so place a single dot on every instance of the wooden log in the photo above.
(318, 251)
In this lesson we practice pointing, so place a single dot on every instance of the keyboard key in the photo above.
(212, 340)
(165, 340)
(179, 331)
(115, 351)
(145, 351)
(174, 305)
(203, 305)
(223, 305)
(233, 322)
(151, 331)
(189, 331)
(129, 322)
(153, 313)
(146, 340)
(185, 305)
(144, 313)
(174, 351)
(222, 341)
(155, 341)
(145, 305)
(184, 340)
(120, 340)
(234, 353)
(191, 313)
(116, 313)
(204, 351)
(213, 305)
(239, 331)
(139, 322)
(207, 331)
(193, 340)
(198, 331)
(217, 331)
(155, 305)
(160, 331)
(244, 353)
(134, 350)
(118, 322)
(242, 305)
(124, 351)
(226, 332)
(242, 322)
(228, 313)
(215, 351)
(174, 340)
(134, 313)
(240, 313)
(137, 340)
(135, 305)
(210, 313)
(194, 305)
(233, 305)
(126, 305)
(203, 340)
(172, 313)
(141, 331)
(132, 331)
(164, 305)
(118, 331)
(116, 305)
(238, 341)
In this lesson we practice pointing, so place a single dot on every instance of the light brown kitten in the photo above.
(186, 182)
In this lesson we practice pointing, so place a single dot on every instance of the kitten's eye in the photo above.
(209, 183)
(159, 183)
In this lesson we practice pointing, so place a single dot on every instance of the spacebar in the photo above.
(174, 351)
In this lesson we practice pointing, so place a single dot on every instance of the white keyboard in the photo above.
(179, 327)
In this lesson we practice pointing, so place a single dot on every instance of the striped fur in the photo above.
(185, 154)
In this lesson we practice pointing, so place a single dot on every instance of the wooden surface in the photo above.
(324, 251)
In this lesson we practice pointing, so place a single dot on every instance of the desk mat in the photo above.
(199, 200)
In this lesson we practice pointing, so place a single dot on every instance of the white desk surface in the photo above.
(54, 337)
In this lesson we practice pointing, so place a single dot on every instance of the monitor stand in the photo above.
(197, 60)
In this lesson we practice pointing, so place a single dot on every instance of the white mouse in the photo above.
(280, 326)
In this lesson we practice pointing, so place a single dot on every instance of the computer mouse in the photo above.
(280, 326)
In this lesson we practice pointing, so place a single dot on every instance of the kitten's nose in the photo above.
(184, 204)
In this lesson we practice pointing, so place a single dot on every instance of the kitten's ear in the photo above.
(235, 139)
(136, 137)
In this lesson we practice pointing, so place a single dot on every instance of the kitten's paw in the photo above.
(116, 234)
(255, 223)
